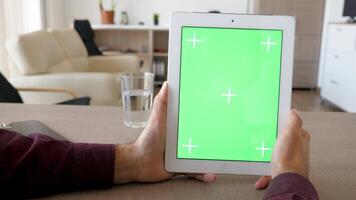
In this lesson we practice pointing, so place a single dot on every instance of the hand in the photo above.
(143, 160)
(291, 152)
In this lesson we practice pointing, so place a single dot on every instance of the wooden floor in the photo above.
(309, 100)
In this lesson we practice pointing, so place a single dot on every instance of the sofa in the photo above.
(58, 59)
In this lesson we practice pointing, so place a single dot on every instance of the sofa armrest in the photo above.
(114, 64)
(69, 92)
(103, 88)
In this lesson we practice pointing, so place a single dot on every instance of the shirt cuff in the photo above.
(92, 165)
(291, 186)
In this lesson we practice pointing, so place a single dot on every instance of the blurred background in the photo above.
(132, 35)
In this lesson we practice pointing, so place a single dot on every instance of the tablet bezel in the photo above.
(180, 19)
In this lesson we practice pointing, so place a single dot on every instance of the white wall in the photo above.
(142, 10)
(333, 13)
(81, 9)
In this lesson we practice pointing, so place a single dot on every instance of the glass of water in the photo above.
(137, 98)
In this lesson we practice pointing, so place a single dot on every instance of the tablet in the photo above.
(229, 91)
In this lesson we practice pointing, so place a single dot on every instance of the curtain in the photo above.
(3, 56)
(17, 17)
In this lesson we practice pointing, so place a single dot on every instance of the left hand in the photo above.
(263, 182)
(143, 160)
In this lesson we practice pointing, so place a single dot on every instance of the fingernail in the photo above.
(164, 84)
(294, 111)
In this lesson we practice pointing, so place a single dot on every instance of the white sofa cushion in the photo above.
(38, 53)
(73, 48)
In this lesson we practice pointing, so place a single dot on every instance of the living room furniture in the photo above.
(149, 43)
(339, 75)
(309, 17)
(333, 12)
(9, 94)
(332, 159)
(58, 59)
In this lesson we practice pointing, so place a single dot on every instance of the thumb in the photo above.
(160, 101)
(262, 182)
(161, 98)
(294, 121)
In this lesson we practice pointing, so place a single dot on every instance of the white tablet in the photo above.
(229, 81)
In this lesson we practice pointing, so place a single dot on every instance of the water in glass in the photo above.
(137, 107)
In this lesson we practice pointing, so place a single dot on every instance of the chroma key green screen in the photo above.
(229, 93)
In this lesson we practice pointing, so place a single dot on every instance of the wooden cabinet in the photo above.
(309, 17)
(339, 79)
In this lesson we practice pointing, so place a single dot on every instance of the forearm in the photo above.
(290, 186)
(39, 165)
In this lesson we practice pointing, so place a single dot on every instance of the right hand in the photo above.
(291, 152)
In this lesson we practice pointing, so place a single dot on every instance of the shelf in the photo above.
(158, 82)
(129, 27)
(139, 54)
(160, 54)
(152, 39)
(115, 53)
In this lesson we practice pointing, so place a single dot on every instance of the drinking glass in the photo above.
(137, 98)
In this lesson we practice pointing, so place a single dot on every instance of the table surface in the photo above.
(332, 167)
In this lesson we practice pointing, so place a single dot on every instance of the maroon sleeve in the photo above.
(290, 186)
(39, 165)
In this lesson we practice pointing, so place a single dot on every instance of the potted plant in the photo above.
(107, 15)
(156, 19)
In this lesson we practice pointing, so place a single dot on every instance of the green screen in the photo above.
(229, 93)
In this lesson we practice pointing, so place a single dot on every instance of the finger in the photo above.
(165, 92)
(161, 97)
(262, 182)
(208, 178)
(306, 135)
(160, 103)
(294, 121)
(160, 100)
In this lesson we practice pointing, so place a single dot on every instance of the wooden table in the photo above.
(333, 154)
